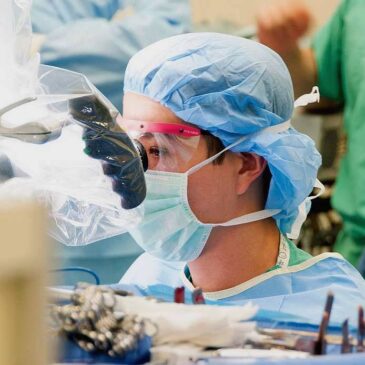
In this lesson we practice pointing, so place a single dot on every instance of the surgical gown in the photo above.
(298, 287)
(92, 38)
(339, 50)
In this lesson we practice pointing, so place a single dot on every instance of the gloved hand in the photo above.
(123, 160)
(281, 24)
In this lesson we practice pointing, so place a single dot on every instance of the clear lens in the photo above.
(167, 152)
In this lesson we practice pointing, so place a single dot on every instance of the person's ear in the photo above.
(251, 167)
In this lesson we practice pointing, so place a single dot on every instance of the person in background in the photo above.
(335, 62)
(97, 38)
(228, 179)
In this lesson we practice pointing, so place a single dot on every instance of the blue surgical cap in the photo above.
(231, 87)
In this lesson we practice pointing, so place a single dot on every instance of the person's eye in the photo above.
(158, 151)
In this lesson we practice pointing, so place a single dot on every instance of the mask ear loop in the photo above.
(273, 129)
(302, 211)
(304, 100)
(313, 97)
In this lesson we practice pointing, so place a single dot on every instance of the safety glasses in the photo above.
(169, 147)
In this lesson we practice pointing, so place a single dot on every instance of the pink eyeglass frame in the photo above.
(159, 127)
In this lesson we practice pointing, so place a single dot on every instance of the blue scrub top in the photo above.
(299, 288)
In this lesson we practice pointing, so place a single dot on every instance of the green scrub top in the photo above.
(339, 49)
(296, 255)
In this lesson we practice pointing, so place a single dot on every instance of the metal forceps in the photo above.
(31, 132)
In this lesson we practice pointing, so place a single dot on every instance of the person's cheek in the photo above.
(203, 194)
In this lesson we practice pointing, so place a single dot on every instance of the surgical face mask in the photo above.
(170, 230)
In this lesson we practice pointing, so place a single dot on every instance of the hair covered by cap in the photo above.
(224, 84)
(231, 87)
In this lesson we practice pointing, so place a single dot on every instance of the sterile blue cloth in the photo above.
(88, 37)
(299, 290)
(109, 259)
(70, 353)
(232, 87)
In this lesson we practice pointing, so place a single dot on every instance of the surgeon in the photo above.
(228, 180)
(335, 61)
(98, 37)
